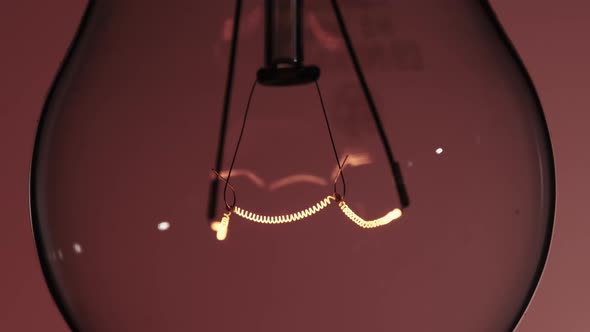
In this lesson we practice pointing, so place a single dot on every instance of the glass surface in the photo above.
(121, 173)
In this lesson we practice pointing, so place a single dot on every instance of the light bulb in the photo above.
(285, 67)
(122, 187)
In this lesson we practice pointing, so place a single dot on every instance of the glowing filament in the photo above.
(386, 219)
(284, 218)
(220, 227)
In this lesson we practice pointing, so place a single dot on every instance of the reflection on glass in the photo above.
(163, 226)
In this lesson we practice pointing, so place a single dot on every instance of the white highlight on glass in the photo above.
(60, 255)
(77, 248)
(163, 226)
(439, 151)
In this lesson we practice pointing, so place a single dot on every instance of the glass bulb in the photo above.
(128, 137)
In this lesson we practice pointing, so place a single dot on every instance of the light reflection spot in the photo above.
(439, 151)
(163, 226)
(77, 248)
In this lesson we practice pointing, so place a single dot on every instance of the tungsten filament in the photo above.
(221, 227)
(284, 218)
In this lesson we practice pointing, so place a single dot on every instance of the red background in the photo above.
(551, 39)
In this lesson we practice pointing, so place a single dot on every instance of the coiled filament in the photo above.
(284, 218)
(221, 227)
(386, 219)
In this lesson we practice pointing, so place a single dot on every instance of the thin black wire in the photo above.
(226, 106)
(340, 169)
(233, 190)
(231, 167)
(395, 169)
(340, 173)
(227, 180)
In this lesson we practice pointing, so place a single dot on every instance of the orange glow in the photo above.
(246, 173)
(297, 178)
(352, 160)
(326, 38)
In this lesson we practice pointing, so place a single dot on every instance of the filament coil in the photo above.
(284, 218)
(221, 227)
(386, 219)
